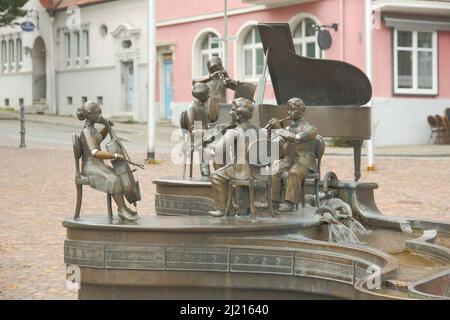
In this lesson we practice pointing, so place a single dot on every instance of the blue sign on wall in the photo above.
(27, 26)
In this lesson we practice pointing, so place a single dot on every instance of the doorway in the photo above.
(128, 76)
(168, 84)
(39, 71)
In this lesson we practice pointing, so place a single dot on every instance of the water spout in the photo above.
(340, 233)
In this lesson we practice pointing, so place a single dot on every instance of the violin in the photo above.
(218, 130)
(122, 167)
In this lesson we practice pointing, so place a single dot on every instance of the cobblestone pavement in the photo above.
(37, 193)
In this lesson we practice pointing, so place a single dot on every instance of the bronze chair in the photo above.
(434, 126)
(446, 126)
(440, 128)
(81, 181)
(256, 179)
(319, 150)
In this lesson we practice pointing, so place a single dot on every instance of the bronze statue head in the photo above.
(200, 91)
(214, 64)
(241, 110)
(90, 111)
(296, 108)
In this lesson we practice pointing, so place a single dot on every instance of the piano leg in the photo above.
(357, 148)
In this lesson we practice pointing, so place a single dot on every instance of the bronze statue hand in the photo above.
(119, 157)
(274, 124)
(217, 74)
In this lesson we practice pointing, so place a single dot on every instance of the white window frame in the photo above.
(209, 51)
(77, 47)
(68, 49)
(4, 53)
(415, 90)
(11, 54)
(19, 52)
(86, 46)
(303, 40)
(253, 47)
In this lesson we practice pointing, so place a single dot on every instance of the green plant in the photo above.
(10, 10)
(9, 109)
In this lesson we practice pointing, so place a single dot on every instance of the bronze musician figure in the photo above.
(298, 159)
(102, 177)
(218, 82)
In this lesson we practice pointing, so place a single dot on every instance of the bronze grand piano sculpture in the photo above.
(334, 91)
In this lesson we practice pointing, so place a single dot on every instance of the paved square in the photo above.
(37, 192)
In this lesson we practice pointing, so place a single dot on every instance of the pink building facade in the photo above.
(410, 57)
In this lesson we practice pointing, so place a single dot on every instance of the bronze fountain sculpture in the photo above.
(193, 248)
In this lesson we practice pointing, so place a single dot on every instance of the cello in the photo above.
(122, 167)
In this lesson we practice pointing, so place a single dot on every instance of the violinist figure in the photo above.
(218, 81)
(235, 141)
(101, 177)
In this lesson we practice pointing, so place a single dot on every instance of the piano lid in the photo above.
(319, 82)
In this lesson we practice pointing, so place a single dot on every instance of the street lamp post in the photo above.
(151, 123)
(225, 34)
(368, 34)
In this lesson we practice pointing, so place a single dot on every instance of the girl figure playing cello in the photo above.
(101, 177)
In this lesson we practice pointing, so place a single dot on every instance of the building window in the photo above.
(211, 47)
(415, 62)
(253, 54)
(305, 37)
(19, 53)
(6, 102)
(100, 100)
(69, 101)
(84, 100)
(21, 102)
(87, 48)
(127, 44)
(12, 58)
(76, 36)
(4, 56)
(68, 49)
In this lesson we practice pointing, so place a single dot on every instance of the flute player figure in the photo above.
(101, 177)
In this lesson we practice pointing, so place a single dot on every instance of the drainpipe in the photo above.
(225, 34)
(342, 29)
(54, 102)
(151, 123)
(368, 50)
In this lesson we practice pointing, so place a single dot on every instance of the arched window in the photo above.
(305, 39)
(253, 54)
(210, 47)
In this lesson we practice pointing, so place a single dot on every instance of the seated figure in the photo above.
(299, 157)
(195, 120)
(101, 177)
(236, 142)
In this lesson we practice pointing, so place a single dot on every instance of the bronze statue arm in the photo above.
(103, 155)
(304, 136)
(104, 132)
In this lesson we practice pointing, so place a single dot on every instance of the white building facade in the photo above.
(97, 52)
